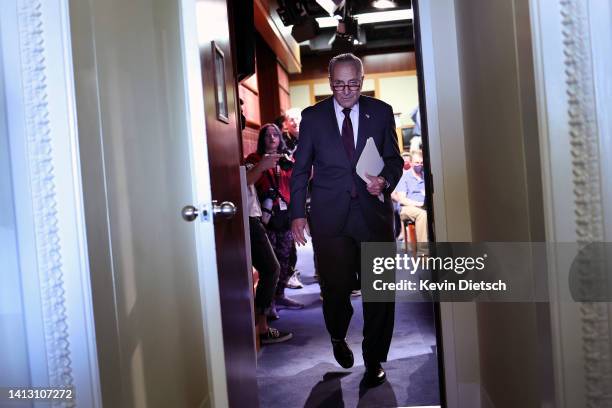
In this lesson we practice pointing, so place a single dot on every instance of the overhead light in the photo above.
(383, 4)
(342, 44)
(330, 6)
(369, 18)
(290, 12)
(347, 33)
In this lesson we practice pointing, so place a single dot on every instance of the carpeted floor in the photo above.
(303, 373)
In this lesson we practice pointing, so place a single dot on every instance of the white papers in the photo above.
(370, 162)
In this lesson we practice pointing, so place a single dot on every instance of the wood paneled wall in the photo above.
(273, 83)
(283, 88)
(265, 94)
(249, 92)
(314, 67)
(270, 26)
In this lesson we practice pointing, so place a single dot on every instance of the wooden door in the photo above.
(224, 161)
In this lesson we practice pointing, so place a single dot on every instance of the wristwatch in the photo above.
(387, 184)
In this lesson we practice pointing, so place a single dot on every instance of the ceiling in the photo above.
(373, 37)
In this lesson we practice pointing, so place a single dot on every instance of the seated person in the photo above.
(410, 194)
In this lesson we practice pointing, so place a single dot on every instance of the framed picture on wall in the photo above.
(407, 133)
(219, 75)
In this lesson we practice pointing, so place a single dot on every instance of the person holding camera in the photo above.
(274, 194)
(262, 254)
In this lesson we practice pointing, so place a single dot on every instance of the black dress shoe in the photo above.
(343, 353)
(374, 375)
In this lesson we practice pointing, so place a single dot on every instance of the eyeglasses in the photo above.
(352, 86)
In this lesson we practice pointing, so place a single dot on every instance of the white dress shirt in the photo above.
(252, 200)
(354, 118)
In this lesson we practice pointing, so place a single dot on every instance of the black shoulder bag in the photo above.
(280, 218)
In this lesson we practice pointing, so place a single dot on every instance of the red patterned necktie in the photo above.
(349, 142)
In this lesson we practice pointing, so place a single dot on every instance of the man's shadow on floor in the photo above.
(377, 397)
(327, 393)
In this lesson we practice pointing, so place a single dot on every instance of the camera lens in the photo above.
(285, 163)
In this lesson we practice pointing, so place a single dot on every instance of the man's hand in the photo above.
(297, 229)
(376, 185)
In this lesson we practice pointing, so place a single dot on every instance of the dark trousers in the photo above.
(315, 262)
(293, 257)
(282, 242)
(264, 260)
(339, 271)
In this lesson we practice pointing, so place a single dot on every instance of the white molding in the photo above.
(42, 177)
(571, 112)
(46, 175)
(584, 144)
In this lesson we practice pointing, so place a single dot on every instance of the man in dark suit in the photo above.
(345, 211)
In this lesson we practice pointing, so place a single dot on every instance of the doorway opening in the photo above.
(302, 371)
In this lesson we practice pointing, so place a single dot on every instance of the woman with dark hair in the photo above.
(274, 194)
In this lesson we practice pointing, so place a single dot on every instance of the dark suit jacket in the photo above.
(320, 149)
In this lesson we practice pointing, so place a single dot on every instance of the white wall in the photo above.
(300, 96)
(504, 184)
(402, 93)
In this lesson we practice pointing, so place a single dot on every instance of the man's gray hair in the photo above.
(348, 57)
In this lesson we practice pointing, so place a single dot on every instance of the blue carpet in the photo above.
(303, 372)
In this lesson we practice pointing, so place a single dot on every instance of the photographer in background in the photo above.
(274, 194)
(262, 253)
(289, 124)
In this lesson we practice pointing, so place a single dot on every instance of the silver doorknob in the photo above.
(226, 209)
(189, 213)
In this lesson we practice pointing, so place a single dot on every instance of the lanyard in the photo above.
(274, 182)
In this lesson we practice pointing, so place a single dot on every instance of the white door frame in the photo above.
(205, 234)
(572, 43)
(53, 264)
(451, 205)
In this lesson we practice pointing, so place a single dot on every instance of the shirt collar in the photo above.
(338, 108)
(412, 175)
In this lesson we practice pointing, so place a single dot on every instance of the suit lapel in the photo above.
(332, 112)
(363, 131)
